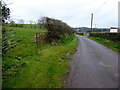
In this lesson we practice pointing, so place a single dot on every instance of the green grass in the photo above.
(24, 25)
(27, 66)
(113, 45)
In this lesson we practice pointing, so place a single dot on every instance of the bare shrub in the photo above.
(56, 29)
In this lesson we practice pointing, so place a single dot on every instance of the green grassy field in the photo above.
(27, 66)
(23, 25)
(113, 45)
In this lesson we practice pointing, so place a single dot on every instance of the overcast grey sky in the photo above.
(76, 13)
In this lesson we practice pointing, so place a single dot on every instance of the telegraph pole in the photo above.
(91, 21)
(119, 14)
(94, 13)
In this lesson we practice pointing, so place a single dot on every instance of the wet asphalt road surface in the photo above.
(93, 66)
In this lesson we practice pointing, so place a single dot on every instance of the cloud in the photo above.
(73, 12)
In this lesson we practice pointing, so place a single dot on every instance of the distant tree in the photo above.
(12, 23)
(31, 22)
(21, 22)
(89, 31)
(40, 22)
(35, 25)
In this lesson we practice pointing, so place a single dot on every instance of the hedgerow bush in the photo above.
(110, 36)
(56, 29)
(80, 33)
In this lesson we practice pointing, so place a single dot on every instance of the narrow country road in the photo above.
(93, 66)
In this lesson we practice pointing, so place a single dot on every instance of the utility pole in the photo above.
(94, 13)
(91, 21)
(119, 14)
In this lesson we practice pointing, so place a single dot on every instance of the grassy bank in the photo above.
(27, 66)
(113, 45)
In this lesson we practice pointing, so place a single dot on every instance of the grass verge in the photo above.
(113, 45)
(27, 66)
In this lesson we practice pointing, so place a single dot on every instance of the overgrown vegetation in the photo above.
(27, 66)
(56, 29)
(80, 33)
(113, 45)
(109, 36)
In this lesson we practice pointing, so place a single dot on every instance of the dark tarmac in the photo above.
(93, 66)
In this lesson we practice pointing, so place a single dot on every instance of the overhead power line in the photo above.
(95, 12)
(99, 7)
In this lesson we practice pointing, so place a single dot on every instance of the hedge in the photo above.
(80, 33)
(56, 29)
(110, 36)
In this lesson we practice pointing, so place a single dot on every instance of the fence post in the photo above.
(40, 37)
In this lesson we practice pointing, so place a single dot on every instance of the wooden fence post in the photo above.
(40, 37)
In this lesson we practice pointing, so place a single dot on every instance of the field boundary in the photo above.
(8, 40)
(40, 37)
